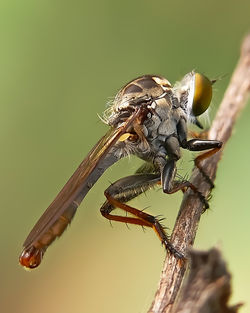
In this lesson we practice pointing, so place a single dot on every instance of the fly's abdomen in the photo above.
(32, 255)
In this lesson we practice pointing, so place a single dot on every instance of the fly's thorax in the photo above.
(148, 139)
(145, 89)
(158, 120)
(145, 86)
(158, 128)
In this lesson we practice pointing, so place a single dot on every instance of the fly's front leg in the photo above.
(126, 189)
(199, 145)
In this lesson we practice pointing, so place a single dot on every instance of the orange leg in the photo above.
(141, 218)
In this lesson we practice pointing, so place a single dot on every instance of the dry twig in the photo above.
(191, 209)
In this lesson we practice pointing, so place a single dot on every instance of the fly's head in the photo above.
(194, 93)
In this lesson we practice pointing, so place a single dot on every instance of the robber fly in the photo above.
(148, 118)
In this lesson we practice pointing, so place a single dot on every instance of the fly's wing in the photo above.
(61, 211)
(74, 185)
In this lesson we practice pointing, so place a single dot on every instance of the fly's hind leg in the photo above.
(126, 189)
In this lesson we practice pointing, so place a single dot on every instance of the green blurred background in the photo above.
(60, 62)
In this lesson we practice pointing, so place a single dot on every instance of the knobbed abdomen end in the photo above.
(31, 257)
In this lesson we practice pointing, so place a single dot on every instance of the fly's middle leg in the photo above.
(126, 189)
(168, 172)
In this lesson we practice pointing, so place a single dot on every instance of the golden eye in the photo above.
(202, 94)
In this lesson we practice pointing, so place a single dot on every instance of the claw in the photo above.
(170, 248)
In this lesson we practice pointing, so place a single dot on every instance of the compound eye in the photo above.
(202, 94)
